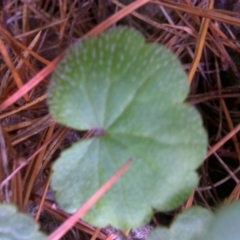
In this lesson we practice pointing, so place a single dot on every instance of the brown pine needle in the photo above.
(31, 83)
(223, 141)
(116, 17)
(10, 65)
(200, 44)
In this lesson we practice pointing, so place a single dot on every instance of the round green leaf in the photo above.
(187, 226)
(132, 94)
(198, 223)
(225, 225)
(17, 226)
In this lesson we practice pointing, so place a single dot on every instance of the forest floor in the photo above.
(33, 37)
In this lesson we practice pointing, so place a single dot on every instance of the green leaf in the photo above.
(187, 226)
(198, 223)
(225, 225)
(132, 94)
(17, 226)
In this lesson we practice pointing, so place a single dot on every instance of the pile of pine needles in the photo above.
(33, 38)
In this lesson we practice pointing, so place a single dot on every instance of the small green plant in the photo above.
(198, 223)
(130, 94)
(15, 225)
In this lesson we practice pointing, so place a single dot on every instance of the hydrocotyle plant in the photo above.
(15, 225)
(130, 94)
(198, 223)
